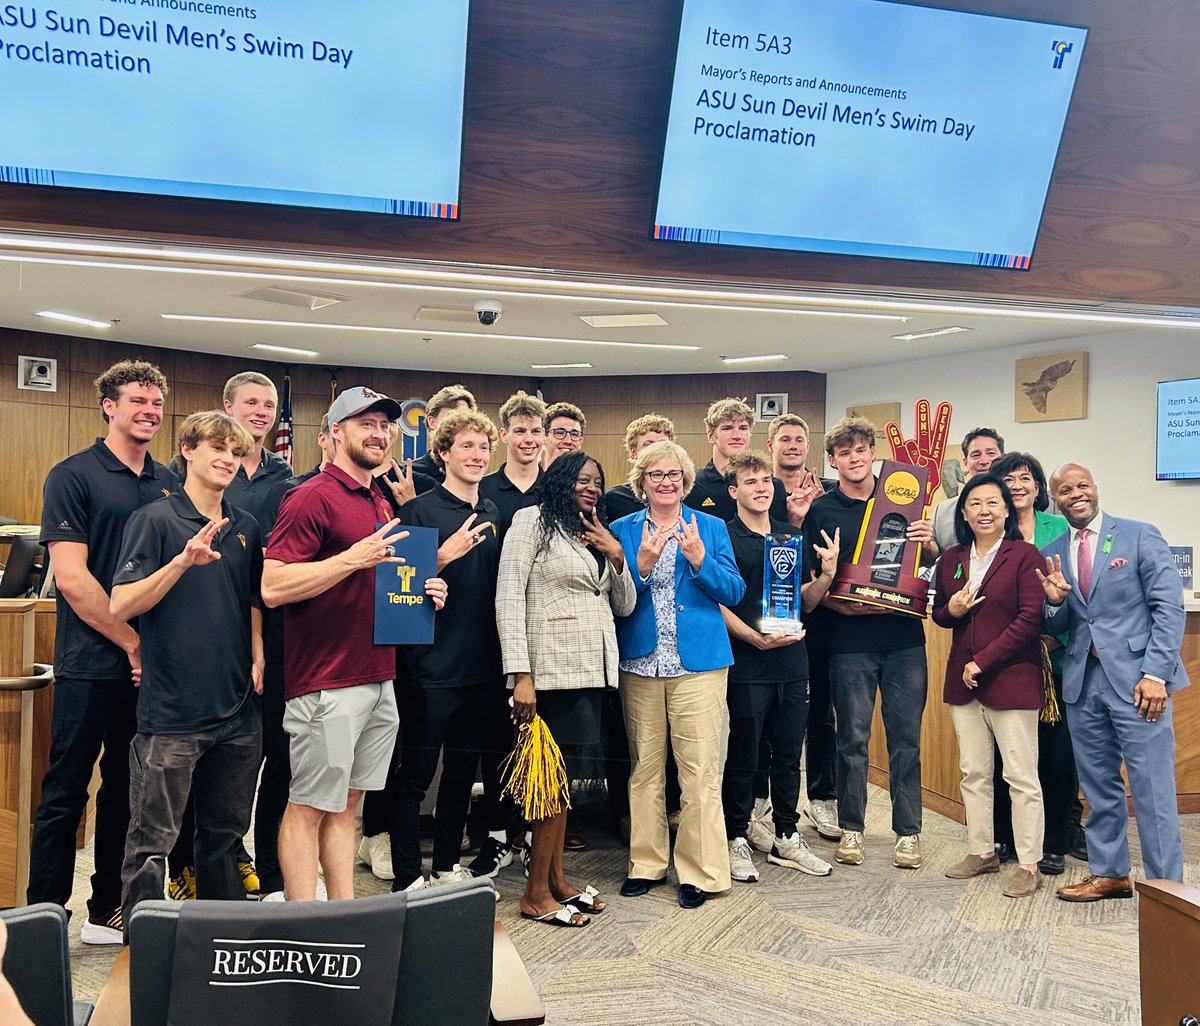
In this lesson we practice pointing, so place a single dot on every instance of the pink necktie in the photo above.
(1084, 559)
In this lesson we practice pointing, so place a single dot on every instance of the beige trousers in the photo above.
(694, 707)
(1016, 735)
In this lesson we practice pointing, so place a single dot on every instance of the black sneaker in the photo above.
(493, 856)
(105, 928)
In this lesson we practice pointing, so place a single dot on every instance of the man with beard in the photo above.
(341, 707)
(1111, 584)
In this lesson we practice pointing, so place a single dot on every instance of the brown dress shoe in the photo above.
(1097, 888)
(974, 865)
(1023, 883)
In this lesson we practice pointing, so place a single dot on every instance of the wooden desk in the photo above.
(1168, 951)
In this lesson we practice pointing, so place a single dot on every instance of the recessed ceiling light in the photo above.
(753, 359)
(284, 349)
(952, 329)
(561, 366)
(423, 332)
(88, 322)
(293, 297)
(629, 320)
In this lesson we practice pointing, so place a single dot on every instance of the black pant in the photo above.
(87, 714)
(453, 721)
(217, 768)
(776, 713)
(820, 734)
(498, 811)
(1060, 786)
(274, 782)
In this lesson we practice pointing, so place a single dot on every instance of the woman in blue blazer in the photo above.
(675, 657)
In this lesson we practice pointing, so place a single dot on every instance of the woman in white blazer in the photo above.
(563, 577)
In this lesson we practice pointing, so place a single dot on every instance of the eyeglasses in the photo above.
(658, 476)
(573, 433)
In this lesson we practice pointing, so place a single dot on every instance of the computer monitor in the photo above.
(26, 559)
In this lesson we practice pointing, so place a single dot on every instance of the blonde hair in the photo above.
(246, 378)
(211, 426)
(666, 449)
(793, 419)
(651, 422)
(521, 404)
(564, 410)
(847, 431)
(454, 424)
(725, 409)
(449, 397)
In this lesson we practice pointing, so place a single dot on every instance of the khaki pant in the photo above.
(694, 707)
(1016, 735)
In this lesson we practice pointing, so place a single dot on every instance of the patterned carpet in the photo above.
(869, 945)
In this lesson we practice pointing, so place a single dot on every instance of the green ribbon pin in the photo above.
(1107, 545)
(958, 572)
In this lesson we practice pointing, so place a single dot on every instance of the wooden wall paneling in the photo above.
(34, 439)
(565, 114)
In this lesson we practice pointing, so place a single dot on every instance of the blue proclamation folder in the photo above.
(403, 612)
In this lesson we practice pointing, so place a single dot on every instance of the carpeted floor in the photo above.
(870, 944)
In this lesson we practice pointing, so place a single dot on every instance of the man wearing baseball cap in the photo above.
(340, 712)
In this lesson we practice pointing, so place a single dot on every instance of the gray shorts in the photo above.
(341, 740)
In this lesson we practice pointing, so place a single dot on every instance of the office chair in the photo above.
(38, 965)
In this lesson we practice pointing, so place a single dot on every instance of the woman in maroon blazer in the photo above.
(988, 594)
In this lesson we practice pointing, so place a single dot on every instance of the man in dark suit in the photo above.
(1112, 585)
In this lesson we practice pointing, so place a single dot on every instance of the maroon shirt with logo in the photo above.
(329, 640)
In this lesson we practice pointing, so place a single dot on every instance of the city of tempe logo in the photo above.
(1060, 50)
(257, 963)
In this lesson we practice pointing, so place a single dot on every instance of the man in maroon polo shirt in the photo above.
(340, 714)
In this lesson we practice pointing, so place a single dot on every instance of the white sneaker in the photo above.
(795, 853)
(761, 833)
(376, 853)
(762, 808)
(908, 852)
(850, 850)
(419, 884)
(102, 929)
(741, 864)
(824, 816)
(275, 896)
(455, 875)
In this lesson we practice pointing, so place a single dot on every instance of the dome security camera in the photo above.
(489, 311)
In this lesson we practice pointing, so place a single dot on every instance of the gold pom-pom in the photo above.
(536, 773)
(1050, 711)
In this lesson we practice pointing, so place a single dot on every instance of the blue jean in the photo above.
(900, 677)
(219, 769)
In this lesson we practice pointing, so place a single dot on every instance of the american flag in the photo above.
(283, 433)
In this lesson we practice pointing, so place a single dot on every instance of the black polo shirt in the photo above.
(430, 467)
(196, 651)
(87, 498)
(752, 665)
(710, 494)
(498, 487)
(251, 493)
(272, 625)
(883, 632)
(466, 648)
(619, 501)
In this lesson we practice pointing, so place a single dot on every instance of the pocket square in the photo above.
(1118, 562)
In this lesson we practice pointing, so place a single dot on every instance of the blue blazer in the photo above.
(702, 637)
(1133, 616)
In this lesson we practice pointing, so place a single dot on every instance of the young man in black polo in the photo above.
(523, 435)
(871, 650)
(565, 425)
(252, 400)
(768, 681)
(189, 568)
(455, 688)
(444, 400)
(87, 499)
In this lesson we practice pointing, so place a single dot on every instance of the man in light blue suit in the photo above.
(1112, 585)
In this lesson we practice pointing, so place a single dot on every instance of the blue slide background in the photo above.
(1178, 429)
(862, 189)
(214, 123)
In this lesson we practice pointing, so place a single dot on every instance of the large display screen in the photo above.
(865, 127)
(353, 106)
(1178, 431)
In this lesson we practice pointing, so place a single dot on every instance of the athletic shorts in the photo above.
(340, 740)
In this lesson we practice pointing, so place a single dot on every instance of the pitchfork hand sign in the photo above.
(928, 447)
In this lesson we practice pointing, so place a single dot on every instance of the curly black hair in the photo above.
(554, 495)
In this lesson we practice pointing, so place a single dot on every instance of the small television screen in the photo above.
(1178, 431)
(348, 106)
(864, 127)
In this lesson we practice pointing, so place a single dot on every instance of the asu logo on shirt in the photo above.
(242, 538)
